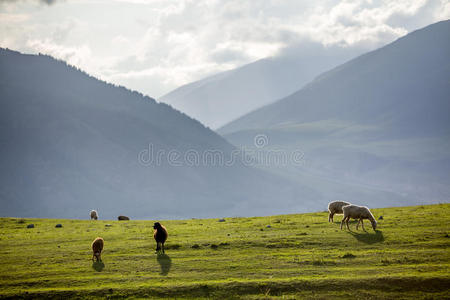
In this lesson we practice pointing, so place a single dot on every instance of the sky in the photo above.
(155, 46)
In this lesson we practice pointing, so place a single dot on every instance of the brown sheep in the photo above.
(94, 215)
(97, 247)
(335, 208)
(123, 218)
(160, 236)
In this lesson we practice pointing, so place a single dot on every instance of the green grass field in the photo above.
(286, 257)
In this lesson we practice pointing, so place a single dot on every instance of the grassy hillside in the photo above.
(288, 256)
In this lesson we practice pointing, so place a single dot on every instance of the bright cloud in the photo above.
(156, 45)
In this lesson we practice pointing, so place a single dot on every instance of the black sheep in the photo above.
(160, 236)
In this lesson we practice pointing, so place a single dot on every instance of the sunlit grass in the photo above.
(290, 255)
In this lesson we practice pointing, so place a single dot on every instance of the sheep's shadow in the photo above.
(367, 237)
(164, 262)
(98, 266)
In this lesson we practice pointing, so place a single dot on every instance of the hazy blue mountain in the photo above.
(219, 99)
(380, 120)
(70, 143)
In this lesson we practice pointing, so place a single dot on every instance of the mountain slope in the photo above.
(393, 82)
(219, 99)
(70, 143)
(380, 119)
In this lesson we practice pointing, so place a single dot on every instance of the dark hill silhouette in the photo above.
(71, 143)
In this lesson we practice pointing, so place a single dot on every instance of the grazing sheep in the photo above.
(123, 218)
(360, 213)
(97, 247)
(160, 236)
(335, 208)
(94, 215)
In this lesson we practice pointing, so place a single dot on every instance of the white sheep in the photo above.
(94, 215)
(335, 208)
(360, 213)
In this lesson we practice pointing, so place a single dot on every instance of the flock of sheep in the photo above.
(160, 235)
(349, 211)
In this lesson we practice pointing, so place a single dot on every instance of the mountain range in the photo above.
(373, 131)
(224, 97)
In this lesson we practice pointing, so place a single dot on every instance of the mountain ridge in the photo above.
(225, 96)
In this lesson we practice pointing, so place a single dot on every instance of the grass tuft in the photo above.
(348, 255)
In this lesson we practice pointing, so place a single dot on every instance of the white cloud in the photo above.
(77, 56)
(157, 45)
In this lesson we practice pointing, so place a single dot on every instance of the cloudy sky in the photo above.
(155, 46)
